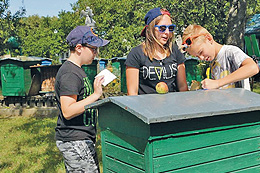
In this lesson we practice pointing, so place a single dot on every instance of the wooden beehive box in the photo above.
(197, 131)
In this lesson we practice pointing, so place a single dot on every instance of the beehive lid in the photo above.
(156, 108)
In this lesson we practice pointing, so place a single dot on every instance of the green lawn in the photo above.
(28, 145)
(256, 87)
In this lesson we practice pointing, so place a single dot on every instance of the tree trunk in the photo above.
(236, 23)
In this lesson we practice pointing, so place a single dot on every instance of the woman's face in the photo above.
(163, 37)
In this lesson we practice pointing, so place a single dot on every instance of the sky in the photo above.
(41, 7)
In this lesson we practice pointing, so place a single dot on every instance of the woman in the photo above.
(156, 59)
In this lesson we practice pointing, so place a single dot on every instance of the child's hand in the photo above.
(97, 85)
(209, 84)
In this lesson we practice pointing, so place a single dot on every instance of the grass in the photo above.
(28, 145)
(256, 87)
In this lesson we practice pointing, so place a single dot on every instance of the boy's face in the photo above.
(204, 50)
(89, 53)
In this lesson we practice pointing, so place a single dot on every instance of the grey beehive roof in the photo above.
(155, 108)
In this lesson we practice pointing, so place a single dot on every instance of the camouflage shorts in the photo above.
(79, 156)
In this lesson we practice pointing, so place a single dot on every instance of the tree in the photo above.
(236, 23)
(9, 23)
(45, 36)
(122, 21)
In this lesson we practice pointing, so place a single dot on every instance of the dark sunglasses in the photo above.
(188, 41)
(94, 49)
(162, 28)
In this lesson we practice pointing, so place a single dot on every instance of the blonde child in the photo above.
(230, 66)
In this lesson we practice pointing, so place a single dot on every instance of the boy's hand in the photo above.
(97, 85)
(209, 84)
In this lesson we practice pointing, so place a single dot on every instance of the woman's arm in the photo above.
(181, 78)
(132, 80)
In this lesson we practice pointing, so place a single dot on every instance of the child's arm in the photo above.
(71, 108)
(132, 80)
(181, 78)
(247, 69)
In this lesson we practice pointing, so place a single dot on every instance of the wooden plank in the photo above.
(252, 169)
(103, 147)
(190, 142)
(125, 141)
(208, 154)
(203, 125)
(224, 165)
(120, 120)
(255, 45)
(114, 165)
(249, 47)
(149, 158)
(124, 155)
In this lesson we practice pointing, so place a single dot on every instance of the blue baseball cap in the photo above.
(151, 15)
(85, 35)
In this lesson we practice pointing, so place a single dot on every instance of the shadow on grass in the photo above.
(43, 132)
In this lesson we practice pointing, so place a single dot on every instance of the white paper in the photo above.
(108, 76)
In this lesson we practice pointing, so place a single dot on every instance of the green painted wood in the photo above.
(122, 140)
(203, 125)
(149, 158)
(252, 46)
(253, 169)
(125, 155)
(249, 47)
(191, 142)
(117, 166)
(224, 165)
(13, 80)
(123, 124)
(103, 149)
(255, 45)
(222, 143)
(123, 75)
(207, 154)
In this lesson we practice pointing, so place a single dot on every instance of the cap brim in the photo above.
(143, 33)
(99, 43)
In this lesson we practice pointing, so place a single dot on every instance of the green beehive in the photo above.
(123, 74)
(198, 131)
(16, 75)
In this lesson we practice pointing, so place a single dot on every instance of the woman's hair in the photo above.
(150, 43)
(193, 30)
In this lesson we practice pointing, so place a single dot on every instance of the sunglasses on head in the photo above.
(188, 41)
(162, 28)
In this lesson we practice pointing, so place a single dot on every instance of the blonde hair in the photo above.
(193, 30)
(150, 43)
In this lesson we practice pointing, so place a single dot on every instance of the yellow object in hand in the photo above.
(208, 72)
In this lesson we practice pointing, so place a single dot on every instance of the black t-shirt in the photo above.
(153, 72)
(72, 80)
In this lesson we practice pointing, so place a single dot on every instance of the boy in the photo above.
(230, 66)
(76, 128)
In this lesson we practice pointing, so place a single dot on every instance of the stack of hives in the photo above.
(48, 78)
